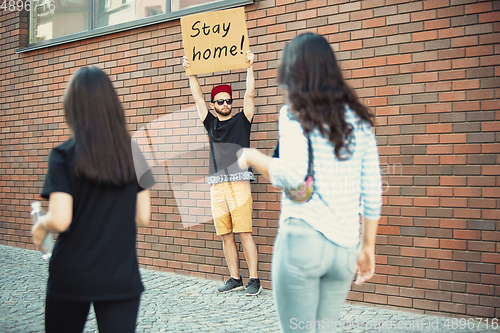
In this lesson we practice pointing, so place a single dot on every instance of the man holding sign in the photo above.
(230, 192)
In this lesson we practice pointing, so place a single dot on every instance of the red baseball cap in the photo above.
(221, 88)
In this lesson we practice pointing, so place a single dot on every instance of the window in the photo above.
(113, 12)
(181, 4)
(58, 21)
(49, 20)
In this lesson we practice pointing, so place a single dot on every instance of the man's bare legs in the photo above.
(231, 253)
(250, 252)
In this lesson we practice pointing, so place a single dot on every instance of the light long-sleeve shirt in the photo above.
(343, 189)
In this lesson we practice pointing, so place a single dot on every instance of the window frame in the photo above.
(139, 23)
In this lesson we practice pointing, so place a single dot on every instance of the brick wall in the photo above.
(428, 69)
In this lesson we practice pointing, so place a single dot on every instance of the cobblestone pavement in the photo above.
(178, 303)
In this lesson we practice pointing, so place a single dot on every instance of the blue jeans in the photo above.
(311, 277)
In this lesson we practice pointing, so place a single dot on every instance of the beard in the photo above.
(223, 112)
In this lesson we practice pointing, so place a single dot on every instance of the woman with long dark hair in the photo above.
(95, 203)
(318, 247)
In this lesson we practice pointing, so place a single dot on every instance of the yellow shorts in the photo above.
(232, 207)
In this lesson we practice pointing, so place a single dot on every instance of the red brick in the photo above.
(490, 127)
(426, 160)
(453, 138)
(464, 298)
(491, 170)
(439, 191)
(453, 265)
(488, 17)
(453, 244)
(454, 160)
(424, 98)
(423, 77)
(439, 254)
(426, 242)
(425, 304)
(427, 202)
(424, 36)
(481, 203)
(400, 301)
(399, 281)
(412, 252)
(375, 22)
(491, 257)
(452, 307)
(374, 298)
(478, 8)
(413, 272)
(480, 311)
(488, 301)
(467, 213)
(493, 214)
(412, 292)
(384, 91)
(388, 230)
(452, 75)
(425, 139)
(440, 149)
(439, 128)
(489, 278)
(438, 86)
(352, 45)
(480, 289)
(451, 96)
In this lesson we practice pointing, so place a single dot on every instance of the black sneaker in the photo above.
(253, 288)
(232, 285)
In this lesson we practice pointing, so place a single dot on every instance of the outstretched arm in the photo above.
(201, 106)
(251, 157)
(248, 101)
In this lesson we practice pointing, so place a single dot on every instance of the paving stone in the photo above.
(178, 303)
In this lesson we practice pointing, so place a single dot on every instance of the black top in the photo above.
(226, 138)
(95, 258)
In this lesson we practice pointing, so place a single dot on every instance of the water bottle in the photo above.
(48, 242)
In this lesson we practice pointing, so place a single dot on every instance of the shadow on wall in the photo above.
(177, 151)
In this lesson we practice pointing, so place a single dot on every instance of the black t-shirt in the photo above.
(226, 138)
(95, 258)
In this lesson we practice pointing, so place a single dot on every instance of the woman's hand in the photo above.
(39, 233)
(365, 266)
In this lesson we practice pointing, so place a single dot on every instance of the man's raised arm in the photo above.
(201, 106)
(248, 101)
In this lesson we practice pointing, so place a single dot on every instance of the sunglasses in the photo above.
(220, 102)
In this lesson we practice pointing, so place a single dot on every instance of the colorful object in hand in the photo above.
(304, 192)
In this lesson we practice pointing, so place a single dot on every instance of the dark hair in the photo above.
(103, 152)
(316, 89)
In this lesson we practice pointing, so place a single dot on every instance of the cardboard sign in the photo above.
(215, 41)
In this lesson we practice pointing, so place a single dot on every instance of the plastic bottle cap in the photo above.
(36, 205)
